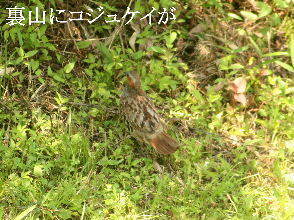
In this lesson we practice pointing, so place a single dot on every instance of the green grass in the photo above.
(66, 151)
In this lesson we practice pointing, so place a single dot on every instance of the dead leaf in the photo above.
(6, 70)
(158, 167)
(232, 45)
(240, 97)
(197, 29)
(265, 72)
(238, 85)
(218, 87)
(181, 44)
(203, 49)
(133, 38)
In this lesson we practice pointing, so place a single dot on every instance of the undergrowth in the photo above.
(221, 75)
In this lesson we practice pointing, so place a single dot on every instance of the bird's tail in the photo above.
(164, 144)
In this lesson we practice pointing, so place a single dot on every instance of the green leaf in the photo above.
(281, 3)
(49, 71)
(241, 49)
(157, 49)
(265, 9)
(21, 52)
(34, 64)
(58, 78)
(274, 54)
(166, 3)
(275, 19)
(170, 39)
(42, 30)
(38, 72)
(138, 55)
(166, 82)
(20, 37)
(6, 35)
(232, 15)
(139, 7)
(252, 142)
(225, 62)
(285, 65)
(105, 51)
(214, 97)
(1, 212)
(60, 100)
(39, 170)
(69, 67)
(50, 46)
(236, 66)
(25, 213)
(83, 44)
(31, 53)
(291, 47)
(249, 15)
(91, 58)
(258, 50)
(103, 92)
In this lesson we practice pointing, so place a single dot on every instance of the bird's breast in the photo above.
(141, 114)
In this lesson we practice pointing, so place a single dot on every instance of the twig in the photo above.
(83, 104)
(229, 197)
(117, 29)
(74, 40)
(91, 39)
(37, 91)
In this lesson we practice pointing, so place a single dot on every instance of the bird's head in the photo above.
(134, 80)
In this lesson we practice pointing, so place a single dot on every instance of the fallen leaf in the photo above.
(238, 85)
(157, 167)
(181, 44)
(240, 97)
(133, 38)
(218, 87)
(197, 29)
(265, 72)
(6, 70)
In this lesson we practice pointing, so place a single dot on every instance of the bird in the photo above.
(140, 112)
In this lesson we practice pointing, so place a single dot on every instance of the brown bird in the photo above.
(139, 110)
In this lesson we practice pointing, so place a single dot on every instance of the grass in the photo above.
(220, 74)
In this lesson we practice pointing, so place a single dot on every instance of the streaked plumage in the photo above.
(140, 112)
